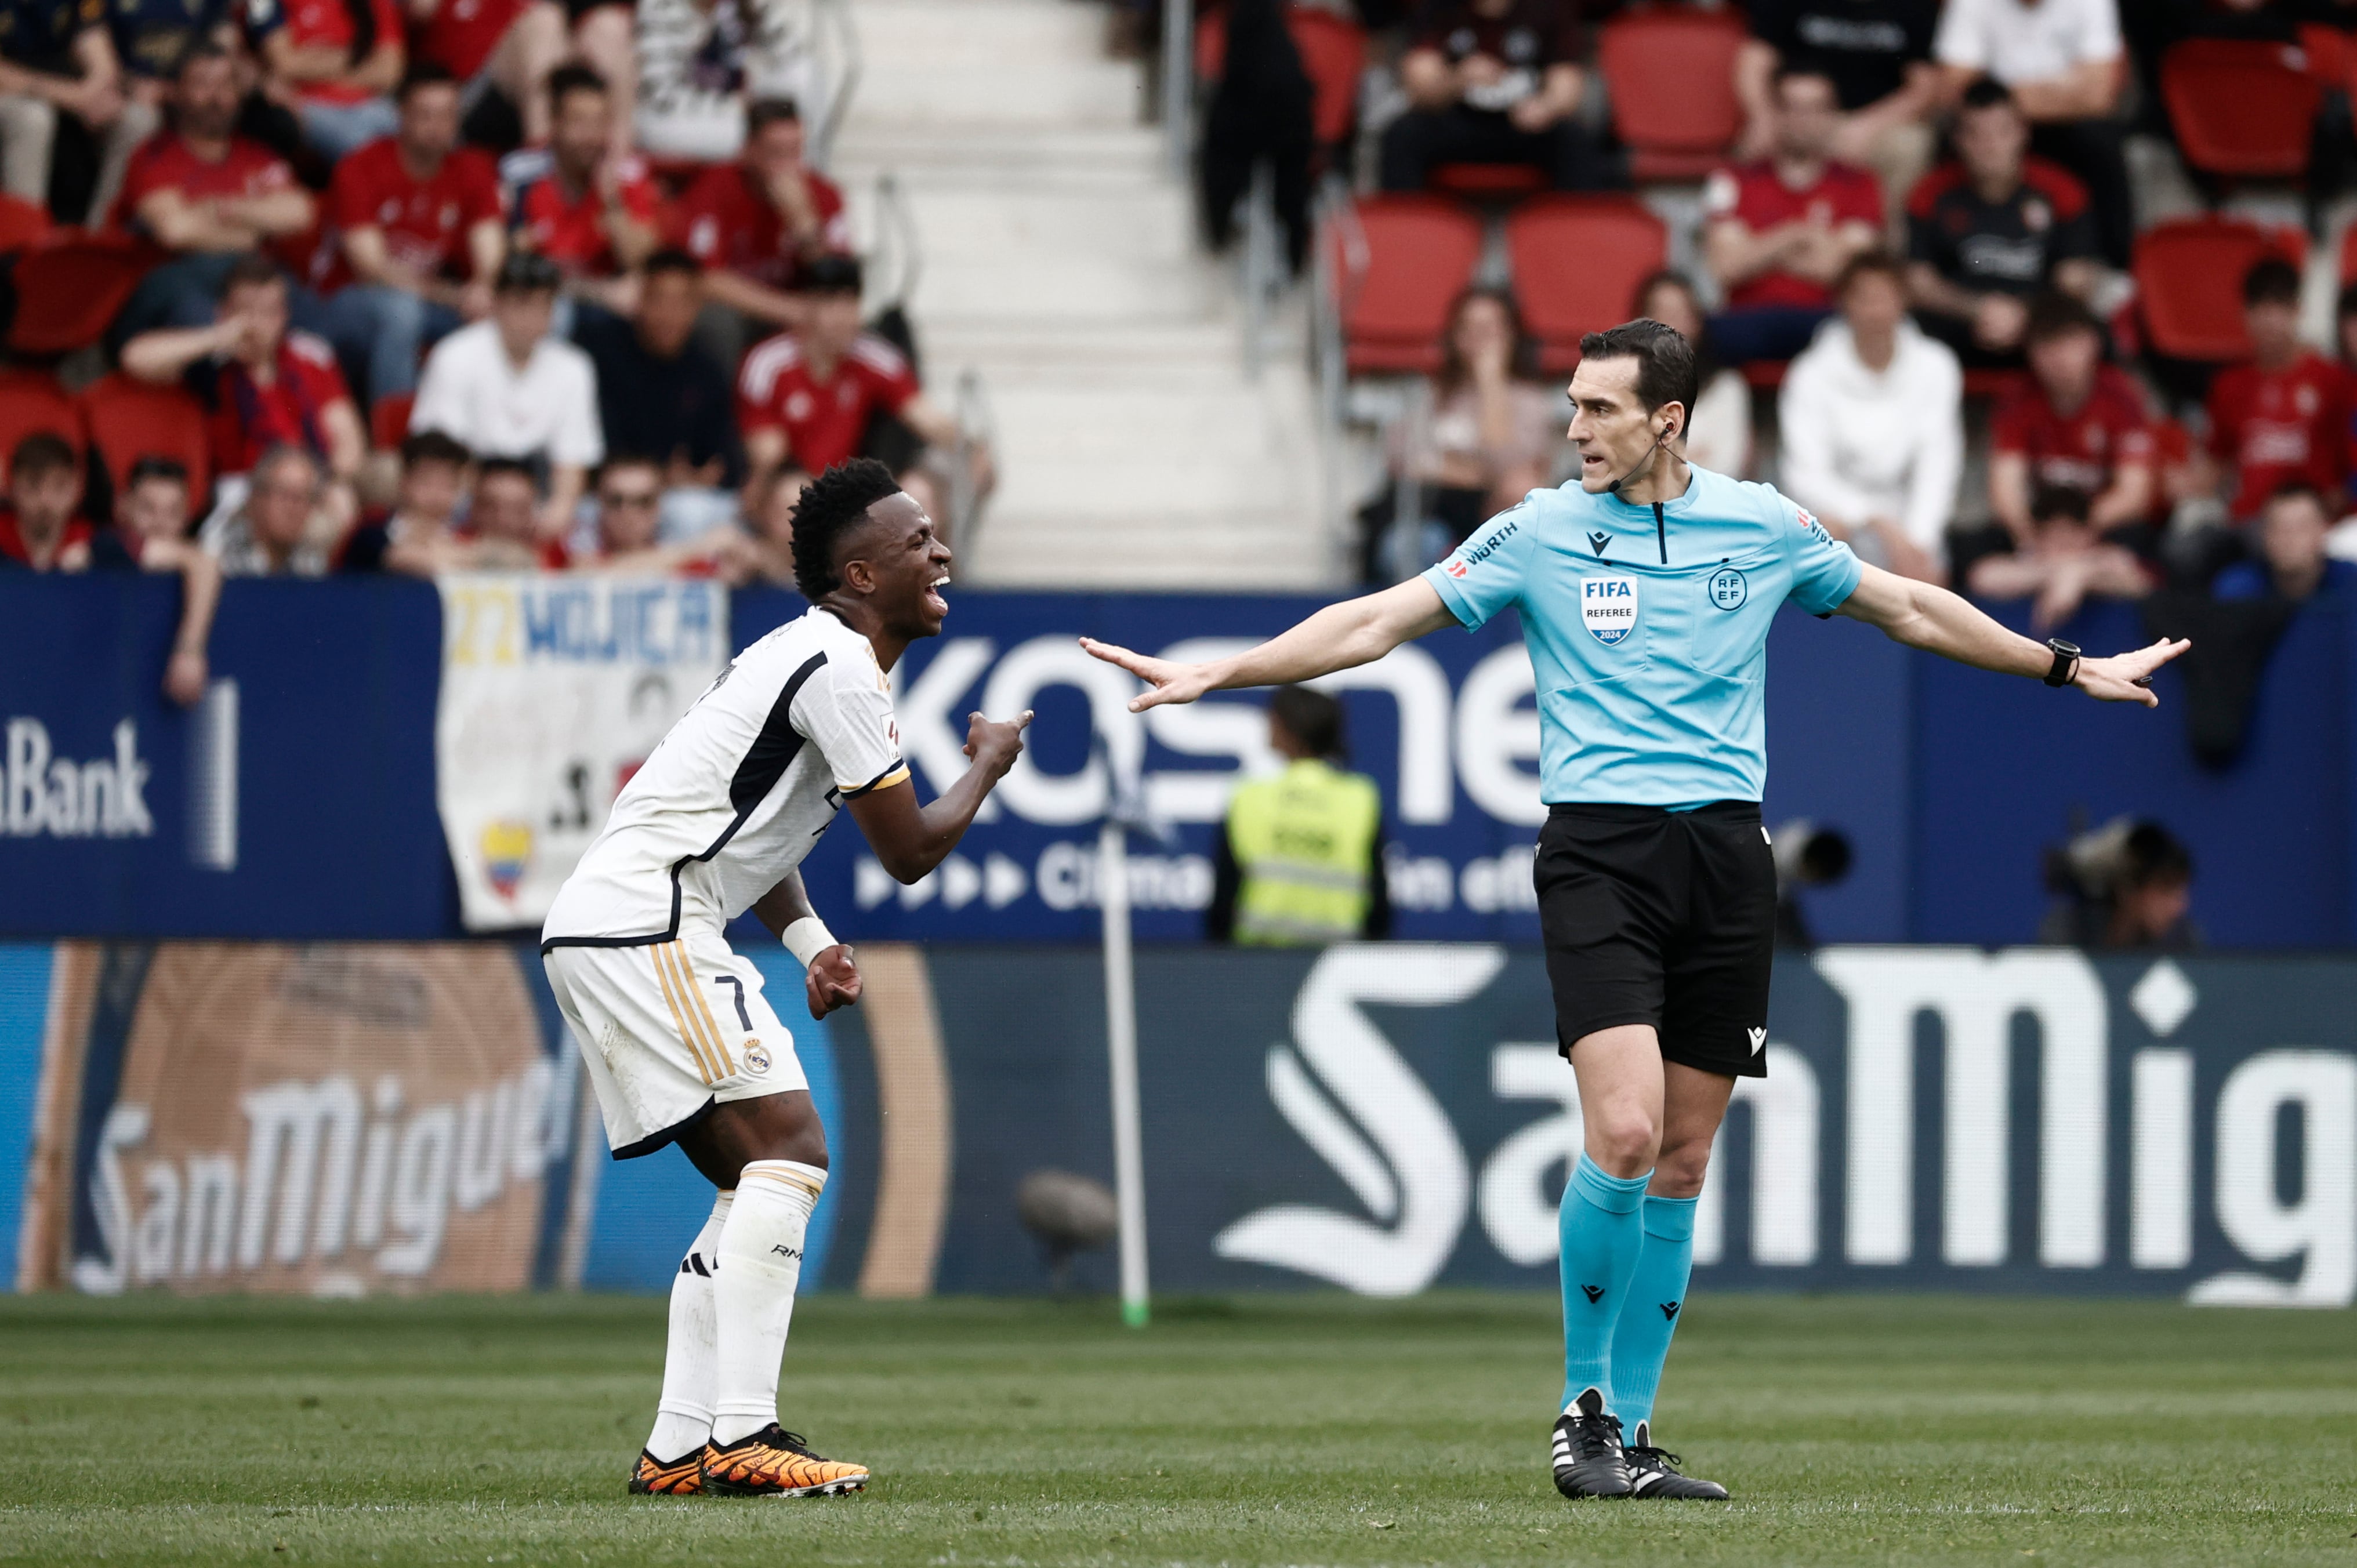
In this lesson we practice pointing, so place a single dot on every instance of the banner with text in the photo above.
(554, 691)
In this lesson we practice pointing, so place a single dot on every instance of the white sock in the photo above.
(684, 1419)
(753, 1294)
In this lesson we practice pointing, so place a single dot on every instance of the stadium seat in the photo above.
(129, 419)
(1487, 182)
(1398, 263)
(21, 223)
(1333, 52)
(1577, 261)
(2189, 275)
(389, 420)
(2325, 52)
(1670, 75)
(31, 402)
(2239, 108)
(70, 285)
(2348, 255)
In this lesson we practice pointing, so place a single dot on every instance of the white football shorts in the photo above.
(671, 1029)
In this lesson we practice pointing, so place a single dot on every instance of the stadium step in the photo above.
(1060, 261)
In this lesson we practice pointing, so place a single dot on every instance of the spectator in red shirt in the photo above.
(2279, 416)
(411, 213)
(807, 397)
(2080, 424)
(512, 45)
(1992, 229)
(574, 202)
(1781, 230)
(1494, 81)
(207, 194)
(267, 387)
(757, 222)
(339, 59)
(40, 532)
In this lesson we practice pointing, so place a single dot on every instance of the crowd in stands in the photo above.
(432, 285)
(1916, 281)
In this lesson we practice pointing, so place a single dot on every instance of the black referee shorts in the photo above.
(1662, 918)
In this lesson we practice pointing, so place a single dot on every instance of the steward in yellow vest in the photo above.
(1299, 860)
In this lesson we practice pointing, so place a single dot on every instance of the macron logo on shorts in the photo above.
(1759, 1038)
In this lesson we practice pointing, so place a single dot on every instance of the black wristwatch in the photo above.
(2066, 663)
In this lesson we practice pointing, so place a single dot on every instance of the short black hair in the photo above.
(2060, 503)
(2272, 280)
(2054, 313)
(148, 466)
(831, 506)
(568, 79)
(424, 74)
(434, 447)
(1987, 92)
(624, 459)
(1311, 717)
(830, 274)
(2151, 855)
(763, 112)
(527, 271)
(494, 467)
(1665, 361)
(671, 259)
(196, 54)
(2301, 490)
(42, 452)
(251, 269)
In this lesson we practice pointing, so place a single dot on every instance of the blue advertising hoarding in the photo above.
(299, 800)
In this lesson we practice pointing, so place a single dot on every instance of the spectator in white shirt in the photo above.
(2066, 65)
(1872, 419)
(507, 389)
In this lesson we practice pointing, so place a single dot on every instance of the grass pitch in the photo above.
(1268, 1430)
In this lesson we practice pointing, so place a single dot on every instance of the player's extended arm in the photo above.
(910, 839)
(830, 977)
(1340, 637)
(1924, 616)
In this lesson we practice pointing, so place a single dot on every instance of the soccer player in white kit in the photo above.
(681, 1044)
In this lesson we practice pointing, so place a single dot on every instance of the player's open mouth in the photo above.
(933, 599)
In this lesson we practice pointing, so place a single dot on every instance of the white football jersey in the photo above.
(738, 791)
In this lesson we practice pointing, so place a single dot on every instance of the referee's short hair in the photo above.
(1665, 361)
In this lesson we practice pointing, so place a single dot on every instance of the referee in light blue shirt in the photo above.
(1646, 591)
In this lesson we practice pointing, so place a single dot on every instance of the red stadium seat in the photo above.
(21, 223)
(1398, 263)
(1487, 182)
(2189, 275)
(70, 284)
(1577, 262)
(2348, 255)
(389, 420)
(32, 402)
(129, 419)
(2326, 49)
(2240, 107)
(1670, 75)
(1333, 52)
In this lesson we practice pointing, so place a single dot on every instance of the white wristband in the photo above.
(807, 938)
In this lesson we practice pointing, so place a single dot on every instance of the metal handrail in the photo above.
(833, 17)
(1178, 81)
(977, 424)
(899, 243)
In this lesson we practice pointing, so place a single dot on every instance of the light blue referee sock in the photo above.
(1657, 1295)
(1601, 1238)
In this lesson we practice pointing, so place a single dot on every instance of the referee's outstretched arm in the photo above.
(1925, 616)
(1340, 637)
(1361, 631)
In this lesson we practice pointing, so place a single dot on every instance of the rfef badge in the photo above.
(1608, 607)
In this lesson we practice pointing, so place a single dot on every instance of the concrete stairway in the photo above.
(1060, 261)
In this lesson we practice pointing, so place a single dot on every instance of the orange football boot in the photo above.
(775, 1463)
(680, 1479)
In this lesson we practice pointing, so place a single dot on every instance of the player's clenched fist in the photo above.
(995, 746)
(831, 981)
